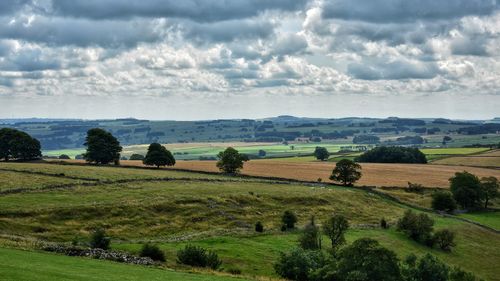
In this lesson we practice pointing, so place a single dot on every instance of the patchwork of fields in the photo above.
(173, 208)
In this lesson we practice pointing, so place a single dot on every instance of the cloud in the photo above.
(196, 10)
(9, 6)
(79, 32)
(381, 11)
(381, 70)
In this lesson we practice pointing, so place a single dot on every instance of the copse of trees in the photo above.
(393, 154)
(158, 155)
(102, 147)
(136, 157)
(321, 153)
(15, 144)
(64, 157)
(346, 172)
(231, 161)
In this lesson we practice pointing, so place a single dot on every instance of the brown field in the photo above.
(373, 174)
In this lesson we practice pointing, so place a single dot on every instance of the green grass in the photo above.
(13, 180)
(453, 150)
(491, 219)
(255, 255)
(102, 172)
(26, 266)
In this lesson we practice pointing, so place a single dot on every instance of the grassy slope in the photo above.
(23, 265)
(162, 211)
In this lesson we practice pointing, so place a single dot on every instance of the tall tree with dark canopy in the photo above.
(231, 161)
(346, 172)
(102, 147)
(158, 156)
(15, 144)
(466, 189)
(321, 153)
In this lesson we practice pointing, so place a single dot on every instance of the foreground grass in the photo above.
(24, 265)
(256, 255)
(14, 180)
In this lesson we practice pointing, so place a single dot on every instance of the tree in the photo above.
(64, 157)
(425, 269)
(102, 147)
(335, 228)
(158, 155)
(262, 153)
(231, 161)
(443, 201)
(489, 186)
(289, 219)
(347, 172)
(445, 239)
(99, 240)
(321, 153)
(310, 239)
(417, 226)
(393, 154)
(366, 260)
(15, 144)
(466, 189)
(298, 264)
(136, 157)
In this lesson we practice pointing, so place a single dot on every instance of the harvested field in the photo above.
(373, 174)
(486, 159)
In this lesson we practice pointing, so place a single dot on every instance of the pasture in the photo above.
(173, 208)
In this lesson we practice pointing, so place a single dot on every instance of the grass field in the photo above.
(485, 159)
(214, 211)
(27, 266)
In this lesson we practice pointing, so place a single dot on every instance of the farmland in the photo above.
(173, 208)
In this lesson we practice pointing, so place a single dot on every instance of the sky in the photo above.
(213, 59)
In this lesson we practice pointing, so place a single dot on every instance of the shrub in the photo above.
(289, 219)
(417, 226)
(153, 252)
(443, 201)
(427, 268)
(259, 227)
(383, 223)
(445, 239)
(234, 270)
(198, 256)
(99, 240)
(415, 187)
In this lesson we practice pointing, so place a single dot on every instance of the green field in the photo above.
(27, 266)
(214, 211)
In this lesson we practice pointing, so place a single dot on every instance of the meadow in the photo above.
(173, 208)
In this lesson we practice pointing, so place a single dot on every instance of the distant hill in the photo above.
(70, 133)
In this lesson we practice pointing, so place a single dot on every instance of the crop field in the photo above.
(373, 174)
(174, 208)
(485, 159)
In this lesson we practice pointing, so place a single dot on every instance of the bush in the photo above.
(417, 226)
(445, 239)
(383, 223)
(259, 227)
(198, 256)
(153, 252)
(99, 240)
(427, 268)
(415, 188)
(443, 201)
(234, 271)
(289, 219)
